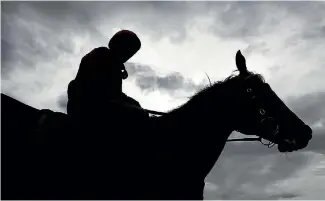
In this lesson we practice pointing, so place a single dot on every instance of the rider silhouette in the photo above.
(98, 82)
(106, 118)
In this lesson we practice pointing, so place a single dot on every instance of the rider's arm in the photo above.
(129, 104)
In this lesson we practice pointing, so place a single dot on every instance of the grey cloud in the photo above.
(283, 196)
(172, 81)
(7, 53)
(255, 47)
(137, 69)
(239, 19)
(309, 107)
(87, 15)
(311, 16)
(317, 143)
(62, 102)
(146, 83)
(249, 19)
(232, 20)
(35, 32)
(249, 176)
(315, 33)
(148, 80)
(59, 16)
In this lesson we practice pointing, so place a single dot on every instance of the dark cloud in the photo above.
(148, 80)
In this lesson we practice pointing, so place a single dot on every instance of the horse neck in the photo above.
(205, 112)
(200, 130)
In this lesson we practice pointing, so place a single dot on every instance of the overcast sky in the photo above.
(42, 44)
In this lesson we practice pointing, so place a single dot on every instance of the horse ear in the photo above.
(241, 64)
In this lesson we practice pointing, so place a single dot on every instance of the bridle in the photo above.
(264, 118)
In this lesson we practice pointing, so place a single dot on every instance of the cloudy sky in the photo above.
(43, 43)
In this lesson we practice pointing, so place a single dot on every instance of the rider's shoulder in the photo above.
(101, 49)
(96, 52)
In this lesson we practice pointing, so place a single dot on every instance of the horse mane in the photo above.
(219, 86)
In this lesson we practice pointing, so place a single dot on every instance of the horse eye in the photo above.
(249, 90)
(262, 112)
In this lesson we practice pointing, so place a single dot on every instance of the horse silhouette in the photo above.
(136, 156)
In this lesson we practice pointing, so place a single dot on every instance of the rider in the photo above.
(99, 78)
(105, 117)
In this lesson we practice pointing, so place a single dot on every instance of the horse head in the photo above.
(259, 111)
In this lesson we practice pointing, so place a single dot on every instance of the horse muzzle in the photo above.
(298, 139)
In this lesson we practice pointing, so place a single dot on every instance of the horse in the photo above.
(199, 129)
(166, 156)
